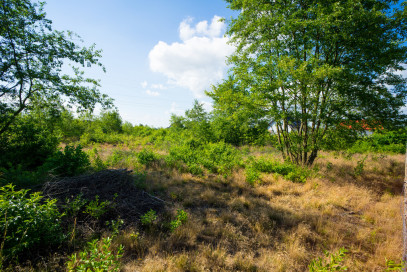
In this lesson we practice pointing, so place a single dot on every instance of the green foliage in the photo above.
(333, 262)
(307, 66)
(28, 143)
(146, 157)
(20, 177)
(181, 218)
(235, 120)
(98, 257)
(148, 218)
(27, 222)
(96, 209)
(384, 142)
(110, 122)
(252, 175)
(358, 170)
(33, 55)
(71, 162)
(115, 226)
(218, 157)
(393, 266)
(289, 171)
(75, 205)
(96, 162)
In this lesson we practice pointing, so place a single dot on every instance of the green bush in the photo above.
(390, 142)
(28, 143)
(181, 218)
(96, 209)
(148, 218)
(289, 171)
(20, 177)
(27, 222)
(71, 162)
(220, 158)
(333, 262)
(252, 175)
(98, 256)
(146, 157)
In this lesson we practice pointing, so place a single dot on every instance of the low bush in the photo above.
(27, 222)
(72, 161)
(192, 156)
(148, 218)
(146, 157)
(98, 256)
(333, 262)
(181, 218)
(289, 171)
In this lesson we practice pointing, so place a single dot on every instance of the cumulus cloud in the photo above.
(152, 93)
(197, 61)
(144, 84)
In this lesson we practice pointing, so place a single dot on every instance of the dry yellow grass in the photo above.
(278, 225)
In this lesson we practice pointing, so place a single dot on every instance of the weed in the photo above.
(96, 257)
(148, 218)
(334, 262)
(181, 218)
(72, 207)
(115, 226)
(96, 209)
(358, 170)
(393, 266)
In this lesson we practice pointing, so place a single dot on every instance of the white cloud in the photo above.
(152, 93)
(196, 62)
(144, 84)
(158, 86)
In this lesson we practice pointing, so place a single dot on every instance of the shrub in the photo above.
(181, 218)
(218, 158)
(29, 143)
(27, 222)
(71, 162)
(334, 262)
(252, 175)
(148, 218)
(98, 256)
(289, 171)
(96, 209)
(20, 177)
(146, 157)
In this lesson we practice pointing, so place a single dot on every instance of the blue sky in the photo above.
(160, 55)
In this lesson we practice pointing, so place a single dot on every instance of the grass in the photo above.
(275, 225)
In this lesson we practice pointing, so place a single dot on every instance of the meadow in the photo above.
(222, 208)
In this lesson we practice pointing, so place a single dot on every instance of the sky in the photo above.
(160, 55)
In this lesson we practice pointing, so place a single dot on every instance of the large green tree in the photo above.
(312, 64)
(33, 57)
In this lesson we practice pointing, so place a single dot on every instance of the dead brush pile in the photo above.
(112, 190)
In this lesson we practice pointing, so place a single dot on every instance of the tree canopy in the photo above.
(33, 57)
(308, 65)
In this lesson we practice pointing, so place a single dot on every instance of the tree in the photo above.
(32, 56)
(196, 122)
(311, 64)
(235, 119)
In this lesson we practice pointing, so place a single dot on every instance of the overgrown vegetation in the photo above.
(228, 190)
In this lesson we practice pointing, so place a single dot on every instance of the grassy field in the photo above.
(350, 201)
